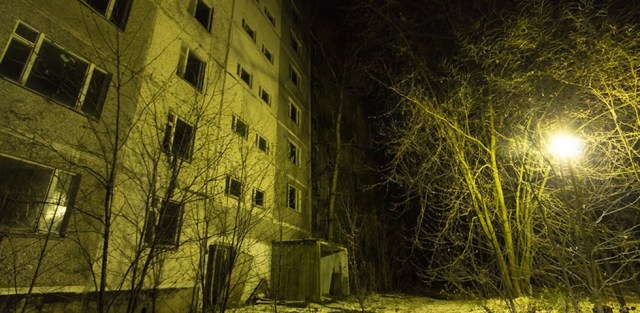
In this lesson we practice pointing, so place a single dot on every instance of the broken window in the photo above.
(269, 16)
(34, 198)
(295, 43)
(293, 153)
(294, 75)
(204, 14)
(244, 75)
(294, 112)
(116, 11)
(40, 65)
(262, 143)
(232, 187)
(249, 30)
(239, 127)
(191, 68)
(267, 53)
(293, 198)
(265, 96)
(163, 224)
(178, 138)
(258, 197)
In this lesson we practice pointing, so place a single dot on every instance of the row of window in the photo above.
(179, 137)
(295, 42)
(247, 77)
(117, 11)
(241, 128)
(234, 187)
(36, 198)
(164, 219)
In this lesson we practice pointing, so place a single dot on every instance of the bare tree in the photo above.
(495, 209)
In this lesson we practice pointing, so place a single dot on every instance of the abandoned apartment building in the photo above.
(158, 151)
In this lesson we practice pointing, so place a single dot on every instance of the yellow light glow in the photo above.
(565, 146)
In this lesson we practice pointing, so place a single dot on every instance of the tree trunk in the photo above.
(336, 168)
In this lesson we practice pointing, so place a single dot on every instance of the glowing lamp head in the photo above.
(565, 146)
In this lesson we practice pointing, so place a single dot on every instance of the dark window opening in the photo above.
(244, 75)
(258, 197)
(96, 94)
(120, 13)
(293, 153)
(34, 198)
(54, 72)
(292, 198)
(269, 16)
(240, 127)
(57, 74)
(265, 96)
(262, 143)
(99, 5)
(233, 187)
(117, 11)
(15, 59)
(163, 228)
(294, 76)
(168, 228)
(267, 54)
(193, 71)
(178, 138)
(294, 113)
(295, 44)
(204, 14)
(27, 33)
(249, 30)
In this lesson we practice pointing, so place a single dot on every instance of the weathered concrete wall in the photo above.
(35, 128)
(296, 269)
(334, 272)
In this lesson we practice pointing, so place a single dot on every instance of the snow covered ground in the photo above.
(406, 303)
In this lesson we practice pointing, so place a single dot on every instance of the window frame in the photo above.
(269, 16)
(168, 145)
(186, 54)
(254, 197)
(293, 153)
(294, 76)
(248, 30)
(36, 55)
(260, 138)
(109, 10)
(40, 224)
(262, 93)
(228, 186)
(154, 221)
(296, 198)
(234, 126)
(242, 72)
(294, 112)
(198, 4)
(267, 53)
(295, 43)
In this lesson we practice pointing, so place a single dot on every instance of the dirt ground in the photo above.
(405, 303)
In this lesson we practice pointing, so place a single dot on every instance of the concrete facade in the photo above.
(172, 137)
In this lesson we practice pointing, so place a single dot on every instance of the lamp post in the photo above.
(567, 148)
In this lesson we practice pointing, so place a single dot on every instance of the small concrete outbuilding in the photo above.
(309, 269)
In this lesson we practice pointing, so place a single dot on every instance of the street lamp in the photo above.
(565, 146)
